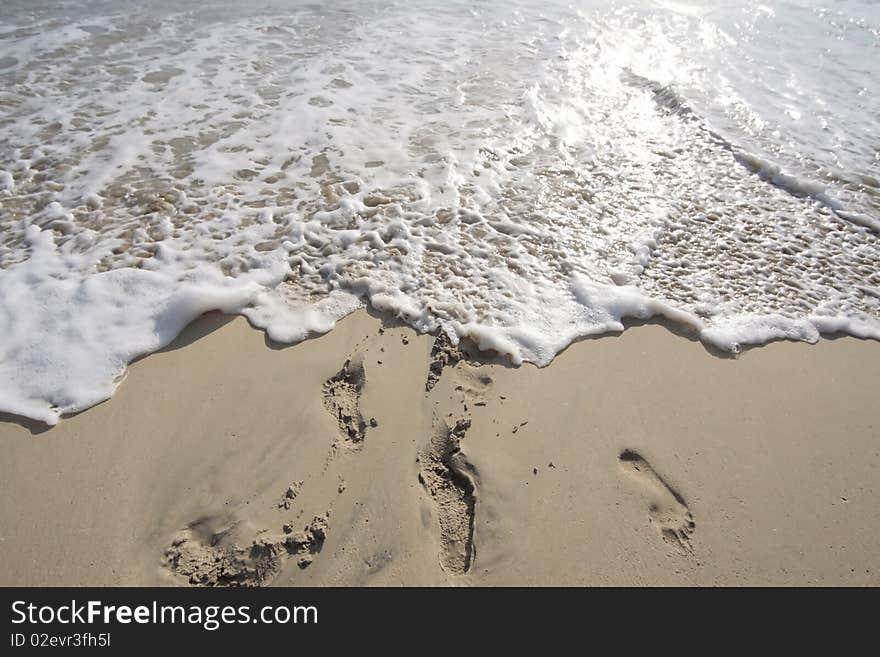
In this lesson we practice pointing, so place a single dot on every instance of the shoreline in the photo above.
(669, 465)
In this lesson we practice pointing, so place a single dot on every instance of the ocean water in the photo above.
(517, 172)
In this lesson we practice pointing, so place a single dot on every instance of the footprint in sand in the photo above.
(211, 552)
(342, 396)
(667, 510)
(443, 354)
(447, 476)
(450, 481)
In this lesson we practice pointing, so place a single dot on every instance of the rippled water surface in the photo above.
(520, 173)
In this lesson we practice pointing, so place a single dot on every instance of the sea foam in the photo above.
(519, 174)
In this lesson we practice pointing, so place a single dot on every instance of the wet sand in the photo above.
(638, 459)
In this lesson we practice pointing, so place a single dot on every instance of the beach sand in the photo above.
(638, 459)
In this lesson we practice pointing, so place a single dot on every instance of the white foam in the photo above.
(289, 321)
(67, 340)
(520, 174)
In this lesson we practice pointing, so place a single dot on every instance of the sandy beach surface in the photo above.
(638, 459)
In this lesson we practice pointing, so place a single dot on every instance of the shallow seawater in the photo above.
(521, 173)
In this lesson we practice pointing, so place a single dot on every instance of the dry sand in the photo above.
(635, 459)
